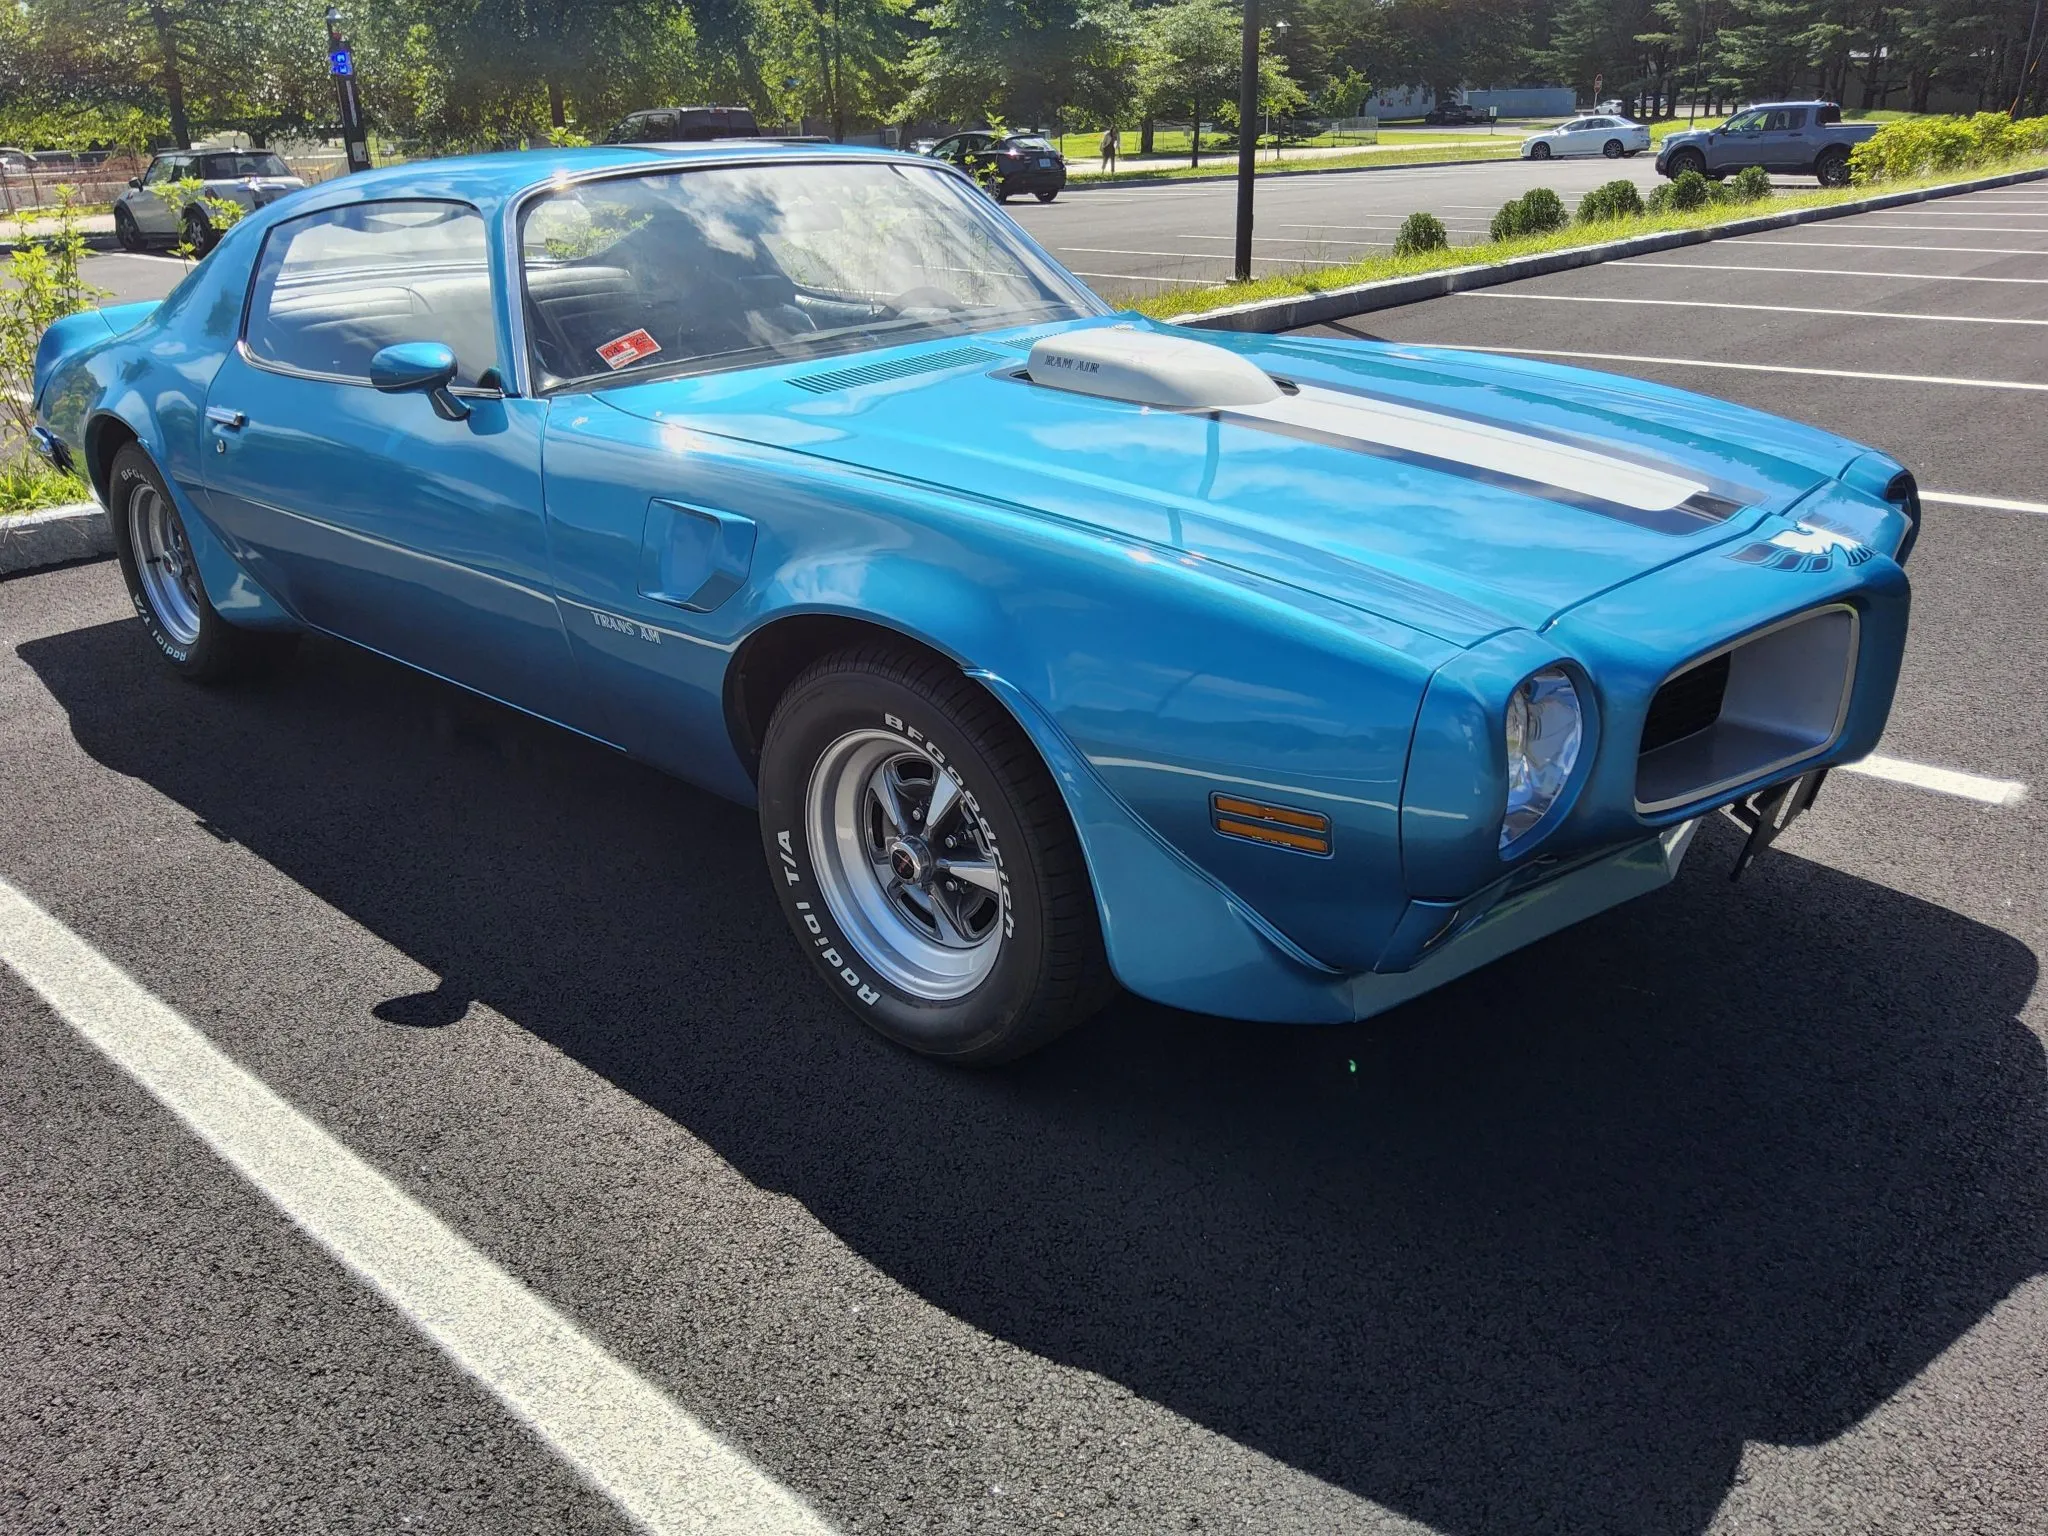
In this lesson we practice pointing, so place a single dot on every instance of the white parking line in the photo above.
(1140, 277)
(661, 1466)
(1874, 245)
(1768, 309)
(1105, 250)
(1292, 240)
(1943, 781)
(1965, 229)
(1701, 362)
(1987, 503)
(1743, 266)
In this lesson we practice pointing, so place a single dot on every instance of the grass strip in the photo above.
(1289, 285)
(1225, 169)
(29, 485)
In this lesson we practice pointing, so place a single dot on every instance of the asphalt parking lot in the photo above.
(1724, 1212)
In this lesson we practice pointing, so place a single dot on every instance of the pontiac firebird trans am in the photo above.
(1266, 676)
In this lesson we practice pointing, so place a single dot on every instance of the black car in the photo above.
(1457, 112)
(1006, 163)
(685, 125)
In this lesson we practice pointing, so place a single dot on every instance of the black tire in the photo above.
(1001, 193)
(1832, 169)
(199, 232)
(1045, 197)
(1049, 971)
(1539, 152)
(127, 233)
(219, 650)
(1612, 149)
(1685, 160)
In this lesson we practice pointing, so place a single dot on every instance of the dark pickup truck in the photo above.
(1793, 138)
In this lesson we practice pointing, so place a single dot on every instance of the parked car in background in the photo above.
(1613, 108)
(1613, 137)
(1453, 112)
(253, 178)
(1788, 138)
(685, 125)
(15, 161)
(1008, 164)
(1279, 677)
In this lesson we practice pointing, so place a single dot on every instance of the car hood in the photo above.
(1454, 492)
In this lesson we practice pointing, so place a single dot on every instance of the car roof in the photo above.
(492, 180)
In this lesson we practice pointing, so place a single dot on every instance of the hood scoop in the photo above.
(1144, 368)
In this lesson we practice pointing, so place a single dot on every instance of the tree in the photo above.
(1194, 62)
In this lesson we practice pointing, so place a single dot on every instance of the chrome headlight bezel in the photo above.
(1545, 734)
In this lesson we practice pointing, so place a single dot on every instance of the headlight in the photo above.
(1544, 728)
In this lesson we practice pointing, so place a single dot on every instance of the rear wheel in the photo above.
(199, 232)
(925, 859)
(1612, 149)
(163, 578)
(1832, 169)
(1045, 197)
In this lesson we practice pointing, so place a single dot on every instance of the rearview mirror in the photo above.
(419, 367)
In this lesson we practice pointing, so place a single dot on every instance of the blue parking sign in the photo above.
(340, 63)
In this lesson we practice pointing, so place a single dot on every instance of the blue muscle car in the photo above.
(1266, 676)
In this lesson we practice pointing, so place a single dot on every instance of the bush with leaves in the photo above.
(1690, 190)
(1421, 232)
(41, 285)
(1752, 184)
(1610, 200)
(1537, 211)
(1922, 146)
(196, 209)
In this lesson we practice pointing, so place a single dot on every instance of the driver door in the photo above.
(370, 514)
(152, 213)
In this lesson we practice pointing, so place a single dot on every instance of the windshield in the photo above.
(234, 167)
(741, 266)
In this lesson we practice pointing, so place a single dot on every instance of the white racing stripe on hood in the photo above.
(1495, 450)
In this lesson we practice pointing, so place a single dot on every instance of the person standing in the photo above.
(1109, 147)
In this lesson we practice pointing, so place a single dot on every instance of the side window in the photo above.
(332, 289)
(161, 170)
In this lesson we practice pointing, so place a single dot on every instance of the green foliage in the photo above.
(1421, 232)
(1752, 184)
(1536, 212)
(1659, 200)
(1921, 146)
(190, 197)
(28, 485)
(1690, 189)
(41, 285)
(1610, 200)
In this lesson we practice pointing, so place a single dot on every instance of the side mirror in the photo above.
(419, 367)
(135, 182)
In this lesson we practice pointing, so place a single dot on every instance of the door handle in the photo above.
(225, 416)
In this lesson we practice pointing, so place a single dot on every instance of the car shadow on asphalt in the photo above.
(1536, 1253)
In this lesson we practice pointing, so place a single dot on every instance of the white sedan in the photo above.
(1609, 136)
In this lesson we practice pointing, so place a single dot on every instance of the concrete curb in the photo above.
(1390, 293)
(1099, 183)
(33, 541)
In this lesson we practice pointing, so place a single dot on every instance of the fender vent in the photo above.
(836, 379)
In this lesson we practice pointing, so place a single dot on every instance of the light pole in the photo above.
(1247, 137)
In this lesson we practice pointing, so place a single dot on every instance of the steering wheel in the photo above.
(925, 297)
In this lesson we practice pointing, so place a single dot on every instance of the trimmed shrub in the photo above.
(1537, 211)
(1752, 184)
(1689, 190)
(1659, 200)
(1421, 232)
(1610, 200)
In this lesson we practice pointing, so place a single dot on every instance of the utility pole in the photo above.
(341, 63)
(1247, 138)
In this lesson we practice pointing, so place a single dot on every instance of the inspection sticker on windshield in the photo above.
(629, 348)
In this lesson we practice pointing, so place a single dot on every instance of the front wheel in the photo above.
(1686, 160)
(157, 563)
(1833, 169)
(1612, 149)
(126, 231)
(1540, 152)
(925, 860)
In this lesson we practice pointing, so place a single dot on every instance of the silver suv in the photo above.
(250, 177)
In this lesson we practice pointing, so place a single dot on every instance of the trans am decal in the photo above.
(1802, 547)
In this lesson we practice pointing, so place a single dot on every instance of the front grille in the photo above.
(1687, 704)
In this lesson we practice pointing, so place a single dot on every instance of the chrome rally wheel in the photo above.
(164, 563)
(924, 857)
(903, 867)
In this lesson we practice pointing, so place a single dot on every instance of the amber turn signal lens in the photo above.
(1277, 826)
